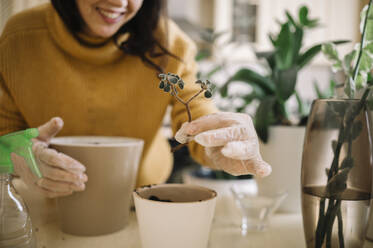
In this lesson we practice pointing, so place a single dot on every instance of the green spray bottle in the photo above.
(15, 224)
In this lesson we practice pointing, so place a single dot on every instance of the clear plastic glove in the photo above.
(61, 174)
(230, 142)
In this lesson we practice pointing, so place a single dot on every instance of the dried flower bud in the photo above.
(167, 88)
(161, 85)
(162, 76)
(172, 79)
(181, 84)
(208, 94)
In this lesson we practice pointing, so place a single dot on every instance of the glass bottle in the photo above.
(15, 223)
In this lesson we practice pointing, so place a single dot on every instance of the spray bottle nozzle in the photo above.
(20, 143)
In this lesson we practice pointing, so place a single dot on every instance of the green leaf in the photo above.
(298, 37)
(309, 54)
(347, 61)
(250, 77)
(368, 47)
(319, 94)
(304, 20)
(361, 80)
(303, 15)
(291, 19)
(264, 117)
(330, 51)
(332, 86)
(270, 37)
(285, 82)
(284, 48)
(301, 110)
(369, 27)
(366, 63)
(350, 87)
(269, 57)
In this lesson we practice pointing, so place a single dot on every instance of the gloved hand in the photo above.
(230, 142)
(61, 174)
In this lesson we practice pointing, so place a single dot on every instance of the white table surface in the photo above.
(285, 230)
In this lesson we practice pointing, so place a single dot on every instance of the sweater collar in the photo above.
(97, 51)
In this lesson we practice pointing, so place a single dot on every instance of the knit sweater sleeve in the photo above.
(11, 119)
(200, 106)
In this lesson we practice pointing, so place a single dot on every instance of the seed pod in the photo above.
(208, 82)
(172, 79)
(208, 94)
(161, 85)
(167, 88)
(199, 81)
(181, 84)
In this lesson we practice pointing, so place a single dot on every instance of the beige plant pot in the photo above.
(183, 223)
(284, 153)
(112, 164)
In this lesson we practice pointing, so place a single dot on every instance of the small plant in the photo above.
(283, 63)
(172, 83)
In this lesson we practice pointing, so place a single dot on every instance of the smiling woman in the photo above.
(112, 18)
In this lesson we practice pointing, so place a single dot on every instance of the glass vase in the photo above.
(336, 174)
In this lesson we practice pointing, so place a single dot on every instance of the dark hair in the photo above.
(141, 42)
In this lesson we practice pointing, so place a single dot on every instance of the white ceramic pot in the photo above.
(184, 222)
(284, 153)
(226, 211)
(112, 164)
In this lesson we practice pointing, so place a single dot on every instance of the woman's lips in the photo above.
(110, 16)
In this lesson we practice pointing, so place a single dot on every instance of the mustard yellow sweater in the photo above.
(46, 72)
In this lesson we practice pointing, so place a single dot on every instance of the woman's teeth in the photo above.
(110, 15)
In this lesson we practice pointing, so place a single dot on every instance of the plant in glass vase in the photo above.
(337, 156)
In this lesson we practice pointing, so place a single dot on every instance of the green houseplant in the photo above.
(284, 61)
(271, 90)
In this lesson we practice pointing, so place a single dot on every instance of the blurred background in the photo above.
(230, 33)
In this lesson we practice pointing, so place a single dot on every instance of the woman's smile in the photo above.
(110, 16)
(103, 18)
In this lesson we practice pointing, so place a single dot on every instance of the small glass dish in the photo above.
(256, 207)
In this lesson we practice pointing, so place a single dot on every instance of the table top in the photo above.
(285, 230)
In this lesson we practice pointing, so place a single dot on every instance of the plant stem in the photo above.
(186, 104)
(199, 92)
(362, 43)
(340, 229)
